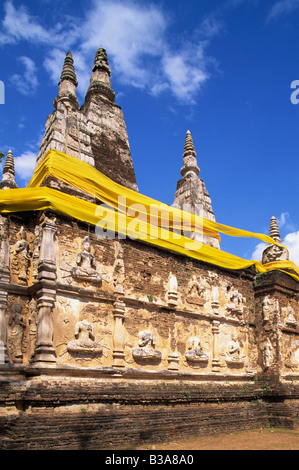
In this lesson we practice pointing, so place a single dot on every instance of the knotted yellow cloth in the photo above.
(118, 209)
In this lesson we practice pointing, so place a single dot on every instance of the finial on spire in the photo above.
(67, 92)
(8, 178)
(189, 157)
(68, 70)
(274, 230)
(100, 84)
(189, 146)
(101, 61)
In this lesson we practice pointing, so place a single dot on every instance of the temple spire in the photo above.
(189, 157)
(100, 84)
(68, 70)
(274, 230)
(101, 61)
(273, 252)
(67, 87)
(8, 178)
(191, 193)
(189, 146)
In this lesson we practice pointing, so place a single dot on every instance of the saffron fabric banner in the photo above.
(114, 211)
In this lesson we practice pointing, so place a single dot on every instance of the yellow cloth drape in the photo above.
(120, 209)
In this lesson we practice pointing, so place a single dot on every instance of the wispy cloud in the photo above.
(282, 7)
(27, 82)
(19, 25)
(141, 51)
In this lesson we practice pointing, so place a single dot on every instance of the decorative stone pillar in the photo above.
(173, 361)
(119, 332)
(4, 278)
(3, 328)
(46, 295)
(215, 299)
(173, 291)
(216, 359)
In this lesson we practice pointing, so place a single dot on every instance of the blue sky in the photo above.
(222, 69)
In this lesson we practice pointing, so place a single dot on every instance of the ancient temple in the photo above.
(112, 342)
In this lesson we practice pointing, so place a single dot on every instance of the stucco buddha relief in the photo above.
(234, 356)
(292, 355)
(195, 354)
(84, 342)
(196, 291)
(235, 306)
(16, 332)
(86, 268)
(21, 258)
(146, 350)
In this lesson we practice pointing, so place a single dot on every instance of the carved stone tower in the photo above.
(96, 133)
(191, 194)
(274, 252)
(8, 178)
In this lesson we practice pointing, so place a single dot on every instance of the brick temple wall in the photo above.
(220, 352)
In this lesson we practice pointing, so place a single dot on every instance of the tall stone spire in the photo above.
(274, 230)
(67, 87)
(95, 133)
(189, 157)
(191, 194)
(68, 70)
(274, 252)
(8, 178)
(100, 83)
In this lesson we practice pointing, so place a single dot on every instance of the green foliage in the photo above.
(1, 156)
(267, 386)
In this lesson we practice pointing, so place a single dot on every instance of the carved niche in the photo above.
(292, 356)
(234, 355)
(196, 292)
(84, 344)
(267, 353)
(172, 291)
(86, 269)
(146, 348)
(288, 313)
(195, 353)
(21, 258)
(235, 305)
(16, 332)
(36, 251)
(270, 308)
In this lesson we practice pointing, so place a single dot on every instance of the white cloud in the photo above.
(19, 25)
(141, 52)
(27, 82)
(185, 71)
(258, 251)
(291, 241)
(24, 165)
(137, 36)
(133, 36)
(282, 7)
